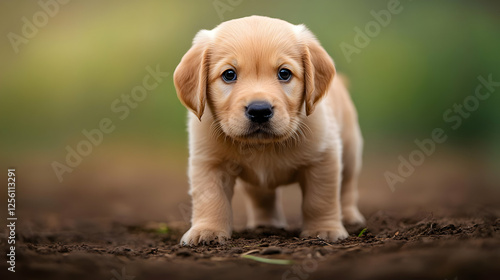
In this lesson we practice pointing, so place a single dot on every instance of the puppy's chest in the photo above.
(268, 170)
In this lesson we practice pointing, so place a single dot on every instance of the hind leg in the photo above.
(263, 206)
(352, 154)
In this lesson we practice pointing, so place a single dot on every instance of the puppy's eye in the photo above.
(284, 74)
(229, 76)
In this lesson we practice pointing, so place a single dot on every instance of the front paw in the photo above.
(205, 236)
(331, 234)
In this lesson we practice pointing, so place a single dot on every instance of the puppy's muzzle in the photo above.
(259, 112)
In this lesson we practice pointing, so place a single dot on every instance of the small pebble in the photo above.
(236, 251)
(323, 251)
(271, 251)
(184, 253)
(153, 251)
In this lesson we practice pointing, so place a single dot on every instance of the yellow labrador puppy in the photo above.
(267, 110)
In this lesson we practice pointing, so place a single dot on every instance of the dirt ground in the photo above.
(447, 227)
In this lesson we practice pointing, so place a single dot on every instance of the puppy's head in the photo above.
(259, 76)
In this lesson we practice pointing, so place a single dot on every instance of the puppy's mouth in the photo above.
(261, 134)
(262, 131)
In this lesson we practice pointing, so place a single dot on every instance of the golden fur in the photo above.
(311, 140)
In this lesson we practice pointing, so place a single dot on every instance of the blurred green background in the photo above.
(89, 53)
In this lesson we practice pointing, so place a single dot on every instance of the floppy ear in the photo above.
(190, 76)
(319, 69)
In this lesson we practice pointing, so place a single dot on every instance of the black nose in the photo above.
(259, 112)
